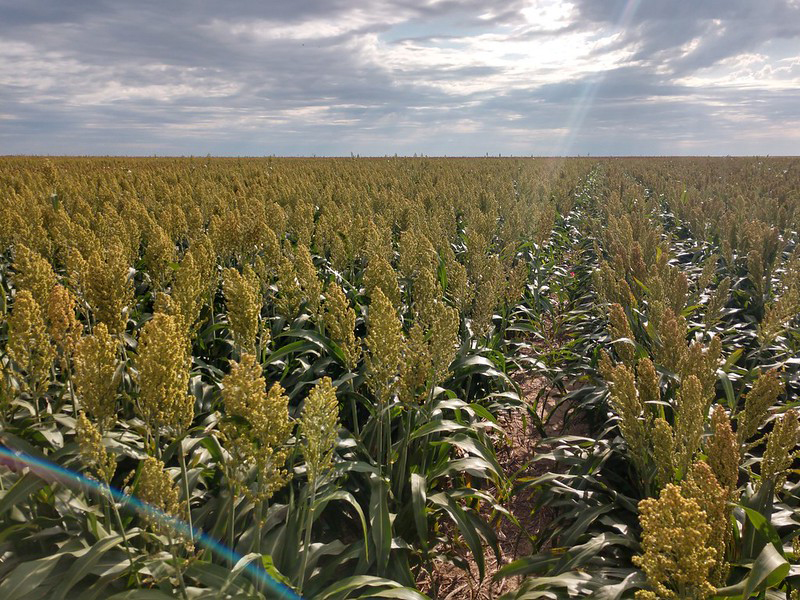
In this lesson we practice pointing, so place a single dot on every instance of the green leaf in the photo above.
(763, 526)
(380, 520)
(435, 427)
(769, 569)
(732, 359)
(290, 348)
(467, 530)
(474, 447)
(418, 501)
(403, 592)
(272, 571)
(756, 533)
(722, 376)
(320, 341)
(141, 595)
(28, 576)
(21, 491)
(342, 589)
(84, 565)
(482, 412)
(615, 592)
(474, 465)
(346, 496)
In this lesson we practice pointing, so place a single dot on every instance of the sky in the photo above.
(384, 77)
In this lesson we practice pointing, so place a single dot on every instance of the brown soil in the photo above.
(514, 452)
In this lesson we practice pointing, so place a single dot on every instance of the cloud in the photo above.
(386, 76)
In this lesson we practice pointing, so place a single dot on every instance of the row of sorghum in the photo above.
(695, 462)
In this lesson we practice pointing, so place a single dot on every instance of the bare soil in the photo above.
(515, 452)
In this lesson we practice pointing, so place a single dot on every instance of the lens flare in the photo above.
(585, 100)
(53, 473)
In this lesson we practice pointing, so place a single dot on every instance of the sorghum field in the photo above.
(263, 378)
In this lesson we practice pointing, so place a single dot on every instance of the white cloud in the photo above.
(387, 76)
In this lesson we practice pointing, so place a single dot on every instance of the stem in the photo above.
(379, 454)
(354, 412)
(255, 545)
(72, 392)
(259, 526)
(186, 492)
(257, 541)
(426, 417)
(178, 570)
(36, 407)
(231, 523)
(123, 534)
(307, 533)
(388, 434)
(212, 293)
(401, 479)
(107, 513)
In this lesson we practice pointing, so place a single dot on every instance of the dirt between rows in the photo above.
(515, 451)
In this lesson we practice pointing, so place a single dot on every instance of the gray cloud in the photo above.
(386, 76)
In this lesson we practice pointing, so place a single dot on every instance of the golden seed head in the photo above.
(379, 275)
(64, 326)
(77, 269)
(93, 452)
(759, 399)
(648, 382)
(702, 363)
(225, 233)
(663, 442)
(34, 274)
(489, 284)
(415, 253)
(189, 290)
(301, 221)
(159, 254)
(328, 239)
(258, 434)
(701, 485)
(244, 395)
(517, 279)
(157, 489)
(109, 290)
(781, 449)
(427, 298)
(690, 417)
(29, 344)
(707, 274)
(620, 329)
(605, 365)
(779, 313)
(319, 425)
(671, 330)
(377, 242)
(612, 287)
(310, 285)
(290, 294)
(722, 450)
(96, 377)
(443, 342)
(625, 402)
(243, 301)
(163, 366)
(385, 347)
(675, 546)
(458, 289)
(717, 302)
(339, 320)
(416, 364)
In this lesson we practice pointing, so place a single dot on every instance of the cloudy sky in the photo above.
(454, 77)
